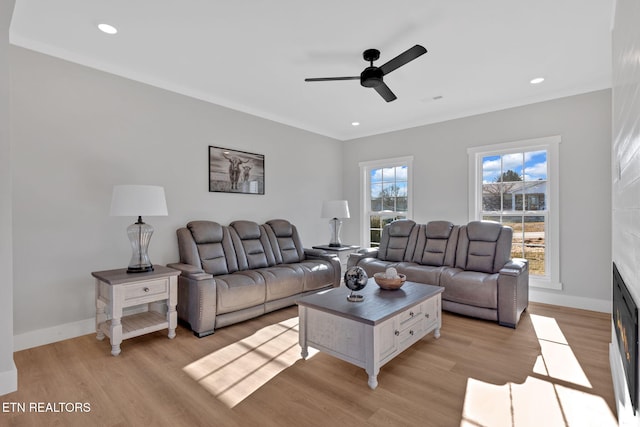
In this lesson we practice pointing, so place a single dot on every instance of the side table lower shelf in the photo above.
(138, 324)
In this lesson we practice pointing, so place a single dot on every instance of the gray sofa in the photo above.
(472, 262)
(237, 272)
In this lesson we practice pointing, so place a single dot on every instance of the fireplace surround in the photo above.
(625, 322)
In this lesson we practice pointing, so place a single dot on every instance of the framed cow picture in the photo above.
(233, 171)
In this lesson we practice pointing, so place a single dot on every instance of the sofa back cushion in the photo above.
(214, 248)
(285, 241)
(398, 241)
(436, 244)
(251, 244)
(484, 246)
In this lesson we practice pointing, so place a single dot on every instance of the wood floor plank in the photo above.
(251, 374)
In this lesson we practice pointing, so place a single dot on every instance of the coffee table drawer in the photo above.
(411, 314)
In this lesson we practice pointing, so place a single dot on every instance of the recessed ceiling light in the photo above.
(108, 29)
(537, 80)
(355, 123)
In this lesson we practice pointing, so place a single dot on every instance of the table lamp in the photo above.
(139, 200)
(335, 209)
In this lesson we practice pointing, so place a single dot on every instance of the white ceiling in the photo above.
(253, 55)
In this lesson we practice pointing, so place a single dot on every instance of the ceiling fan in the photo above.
(373, 76)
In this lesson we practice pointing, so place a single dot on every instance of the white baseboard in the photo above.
(83, 327)
(53, 334)
(604, 306)
(9, 380)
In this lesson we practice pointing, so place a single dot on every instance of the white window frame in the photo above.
(551, 144)
(365, 192)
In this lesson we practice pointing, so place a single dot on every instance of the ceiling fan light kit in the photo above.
(372, 76)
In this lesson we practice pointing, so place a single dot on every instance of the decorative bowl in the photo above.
(389, 284)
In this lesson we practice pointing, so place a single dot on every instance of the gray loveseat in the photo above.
(237, 272)
(472, 262)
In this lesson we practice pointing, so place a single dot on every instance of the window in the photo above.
(386, 196)
(516, 184)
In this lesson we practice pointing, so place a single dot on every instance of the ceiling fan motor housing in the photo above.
(371, 77)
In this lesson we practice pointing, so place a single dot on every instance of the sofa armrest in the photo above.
(513, 291)
(514, 267)
(318, 254)
(197, 298)
(190, 271)
(355, 258)
(332, 258)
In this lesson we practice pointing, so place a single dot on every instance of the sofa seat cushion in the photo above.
(470, 287)
(318, 274)
(420, 273)
(282, 281)
(239, 290)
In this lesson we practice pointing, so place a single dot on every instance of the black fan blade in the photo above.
(385, 92)
(405, 57)
(329, 79)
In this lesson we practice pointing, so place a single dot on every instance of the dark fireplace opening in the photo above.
(625, 320)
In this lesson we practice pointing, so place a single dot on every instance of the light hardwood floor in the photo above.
(551, 371)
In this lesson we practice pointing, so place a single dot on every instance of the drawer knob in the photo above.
(426, 315)
(397, 333)
(146, 289)
(411, 332)
(411, 313)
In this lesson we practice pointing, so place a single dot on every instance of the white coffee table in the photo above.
(370, 333)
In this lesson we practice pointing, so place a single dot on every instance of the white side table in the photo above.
(117, 290)
(343, 253)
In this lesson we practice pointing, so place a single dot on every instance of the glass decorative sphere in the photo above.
(355, 278)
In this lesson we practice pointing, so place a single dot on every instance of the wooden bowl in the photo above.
(389, 284)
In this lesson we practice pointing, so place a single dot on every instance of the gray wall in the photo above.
(441, 180)
(77, 132)
(8, 373)
(626, 174)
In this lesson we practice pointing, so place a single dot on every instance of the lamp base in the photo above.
(335, 225)
(139, 236)
(142, 269)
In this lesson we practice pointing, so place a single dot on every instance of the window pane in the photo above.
(535, 173)
(535, 167)
(534, 244)
(388, 220)
(517, 245)
(389, 194)
(376, 197)
(376, 176)
(492, 196)
(401, 173)
(491, 169)
(375, 237)
(374, 221)
(388, 174)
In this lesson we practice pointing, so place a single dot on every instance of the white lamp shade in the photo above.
(138, 200)
(335, 209)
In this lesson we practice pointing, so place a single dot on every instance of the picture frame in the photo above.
(234, 171)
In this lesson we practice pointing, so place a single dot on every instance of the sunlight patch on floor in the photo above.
(547, 398)
(557, 359)
(234, 372)
(534, 403)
